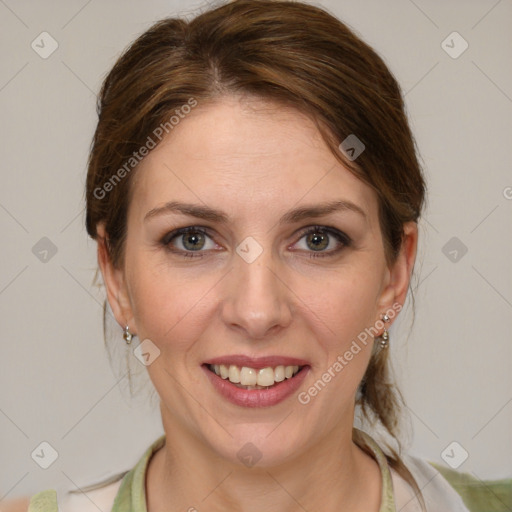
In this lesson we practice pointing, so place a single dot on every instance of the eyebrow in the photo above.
(296, 215)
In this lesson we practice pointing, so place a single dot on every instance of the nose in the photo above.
(257, 301)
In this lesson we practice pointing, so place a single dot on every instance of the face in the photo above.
(250, 245)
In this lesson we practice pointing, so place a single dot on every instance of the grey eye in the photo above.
(317, 241)
(193, 241)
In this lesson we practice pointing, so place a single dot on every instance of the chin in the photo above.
(257, 446)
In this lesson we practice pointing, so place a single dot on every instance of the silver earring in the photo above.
(127, 335)
(384, 337)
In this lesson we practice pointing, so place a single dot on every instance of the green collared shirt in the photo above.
(478, 496)
(132, 494)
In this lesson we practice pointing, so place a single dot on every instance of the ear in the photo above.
(115, 284)
(399, 273)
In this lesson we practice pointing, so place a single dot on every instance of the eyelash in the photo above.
(341, 237)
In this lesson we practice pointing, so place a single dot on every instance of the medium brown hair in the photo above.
(288, 52)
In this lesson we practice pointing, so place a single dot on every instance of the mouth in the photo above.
(256, 382)
(250, 378)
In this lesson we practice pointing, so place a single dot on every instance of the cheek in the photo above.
(169, 306)
(344, 306)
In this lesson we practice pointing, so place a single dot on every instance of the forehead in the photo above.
(246, 155)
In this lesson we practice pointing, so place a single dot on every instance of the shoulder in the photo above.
(15, 505)
(436, 490)
(446, 489)
(99, 498)
(116, 491)
(92, 498)
(480, 495)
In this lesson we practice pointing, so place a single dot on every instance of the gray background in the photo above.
(454, 364)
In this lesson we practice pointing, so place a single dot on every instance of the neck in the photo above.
(186, 475)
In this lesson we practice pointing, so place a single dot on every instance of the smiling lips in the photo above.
(261, 371)
(256, 382)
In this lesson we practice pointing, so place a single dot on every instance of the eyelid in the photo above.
(340, 236)
(168, 237)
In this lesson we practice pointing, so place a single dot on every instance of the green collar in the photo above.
(131, 496)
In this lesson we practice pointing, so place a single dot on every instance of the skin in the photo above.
(15, 505)
(254, 161)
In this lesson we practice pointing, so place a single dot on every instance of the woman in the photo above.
(254, 191)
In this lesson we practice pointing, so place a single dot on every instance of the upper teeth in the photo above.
(250, 377)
